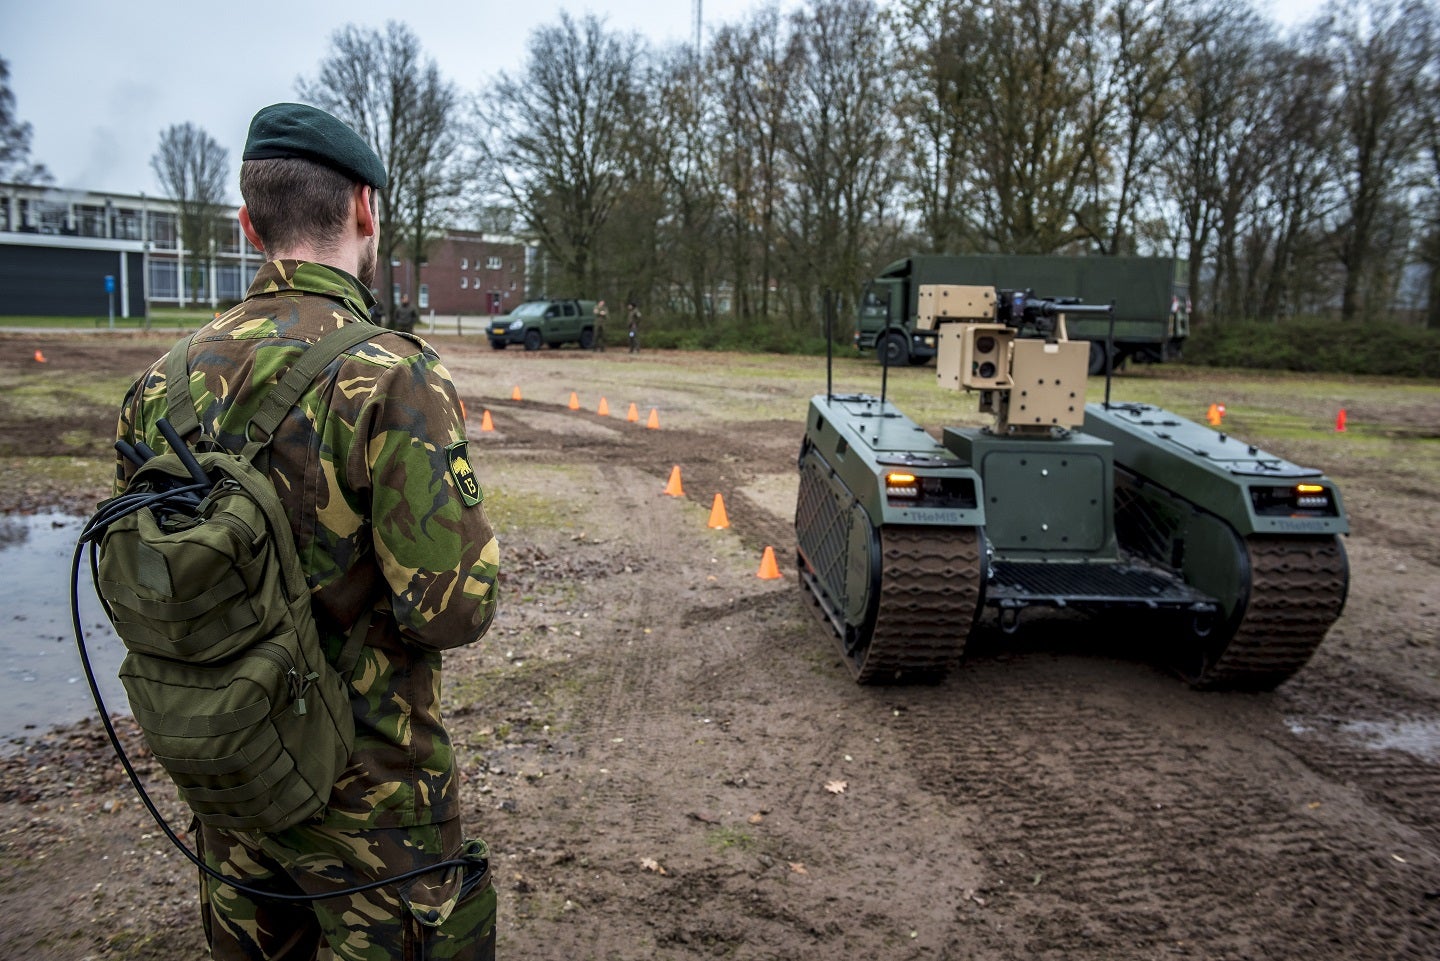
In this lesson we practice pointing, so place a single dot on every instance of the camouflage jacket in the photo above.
(371, 466)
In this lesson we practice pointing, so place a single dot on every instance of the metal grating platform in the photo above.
(1090, 585)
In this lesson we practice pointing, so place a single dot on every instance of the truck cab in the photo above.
(549, 322)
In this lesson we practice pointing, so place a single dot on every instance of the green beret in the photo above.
(298, 130)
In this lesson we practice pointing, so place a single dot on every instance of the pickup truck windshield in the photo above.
(533, 309)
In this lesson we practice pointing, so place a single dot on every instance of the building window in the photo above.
(230, 238)
(127, 224)
(464, 283)
(229, 285)
(493, 263)
(464, 262)
(162, 231)
(424, 296)
(91, 220)
(395, 293)
(164, 280)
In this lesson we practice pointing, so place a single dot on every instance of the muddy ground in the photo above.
(671, 762)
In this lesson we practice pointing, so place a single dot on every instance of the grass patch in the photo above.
(166, 318)
(729, 839)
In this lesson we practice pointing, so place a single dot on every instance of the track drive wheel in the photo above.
(924, 605)
(1297, 591)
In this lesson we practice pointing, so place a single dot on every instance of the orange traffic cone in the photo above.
(1212, 416)
(486, 423)
(40, 357)
(604, 409)
(634, 415)
(574, 401)
(654, 422)
(515, 394)
(769, 570)
(672, 487)
(718, 518)
(1340, 421)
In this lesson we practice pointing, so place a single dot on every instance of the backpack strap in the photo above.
(354, 640)
(302, 373)
(179, 405)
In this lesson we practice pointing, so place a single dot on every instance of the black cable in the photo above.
(93, 531)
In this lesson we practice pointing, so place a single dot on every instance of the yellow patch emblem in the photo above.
(464, 475)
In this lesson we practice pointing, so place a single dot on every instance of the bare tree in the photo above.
(193, 169)
(1150, 43)
(839, 148)
(555, 135)
(1031, 79)
(753, 66)
(395, 98)
(1381, 60)
(683, 148)
(15, 165)
(934, 111)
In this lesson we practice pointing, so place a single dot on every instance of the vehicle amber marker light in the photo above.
(901, 485)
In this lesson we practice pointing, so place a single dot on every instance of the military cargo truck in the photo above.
(1151, 297)
(538, 323)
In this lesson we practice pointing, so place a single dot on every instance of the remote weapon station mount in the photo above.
(1223, 559)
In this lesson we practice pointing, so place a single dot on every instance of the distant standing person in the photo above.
(633, 313)
(601, 315)
(406, 316)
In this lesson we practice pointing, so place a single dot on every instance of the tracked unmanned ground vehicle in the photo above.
(1228, 558)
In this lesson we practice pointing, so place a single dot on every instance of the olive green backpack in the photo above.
(198, 571)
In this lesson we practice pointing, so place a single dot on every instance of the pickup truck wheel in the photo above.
(532, 340)
(587, 338)
(893, 349)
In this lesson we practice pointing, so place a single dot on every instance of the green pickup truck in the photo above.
(539, 322)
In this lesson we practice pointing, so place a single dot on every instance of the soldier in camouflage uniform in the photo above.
(387, 511)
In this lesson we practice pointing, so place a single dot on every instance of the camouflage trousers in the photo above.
(448, 913)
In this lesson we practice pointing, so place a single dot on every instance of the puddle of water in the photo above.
(42, 682)
(1420, 738)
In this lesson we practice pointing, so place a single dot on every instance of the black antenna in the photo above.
(829, 344)
(885, 368)
(1109, 354)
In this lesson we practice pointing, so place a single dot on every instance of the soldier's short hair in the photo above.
(293, 200)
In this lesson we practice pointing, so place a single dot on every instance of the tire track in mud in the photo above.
(1105, 834)
(708, 465)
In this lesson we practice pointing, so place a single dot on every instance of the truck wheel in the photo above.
(532, 340)
(1097, 358)
(587, 338)
(893, 349)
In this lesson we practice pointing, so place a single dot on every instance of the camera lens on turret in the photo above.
(987, 370)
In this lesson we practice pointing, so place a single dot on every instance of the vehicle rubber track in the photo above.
(929, 590)
(1297, 590)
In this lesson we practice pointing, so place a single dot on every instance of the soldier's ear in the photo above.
(365, 217)
(249, 229)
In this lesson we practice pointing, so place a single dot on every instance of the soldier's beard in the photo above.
(367, 263)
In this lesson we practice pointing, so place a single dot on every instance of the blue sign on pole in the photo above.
(109, 283)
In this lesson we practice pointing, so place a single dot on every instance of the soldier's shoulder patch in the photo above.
(458, 456)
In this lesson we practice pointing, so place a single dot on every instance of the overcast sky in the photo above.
(99, 80)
